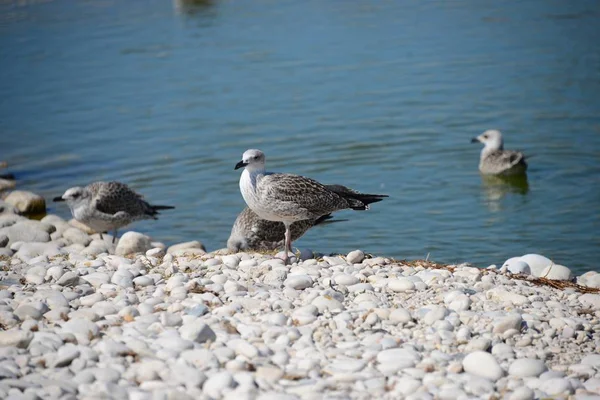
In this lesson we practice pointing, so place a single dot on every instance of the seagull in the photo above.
(494, 159)
(108, 206)
(289, 198)
(250, 232)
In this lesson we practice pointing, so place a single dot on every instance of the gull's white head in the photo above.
(253, 160)
(75, 197)
(491, 139)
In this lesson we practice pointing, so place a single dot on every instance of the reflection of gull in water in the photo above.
(249, 232)
(495, 160)
(192, 6)
(496, 187)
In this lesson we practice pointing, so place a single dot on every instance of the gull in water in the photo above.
(494, 159)
(108, 206)
(250, 232)
(289, 198)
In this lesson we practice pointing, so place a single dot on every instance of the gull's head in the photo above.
(253, 160)
(491, 139)
(74, 197)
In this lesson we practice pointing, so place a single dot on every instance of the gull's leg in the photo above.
(288, 242)
(101, 237)
(114, 235)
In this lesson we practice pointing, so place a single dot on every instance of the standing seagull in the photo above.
(289, 198)
(494, 159)
(108, 206)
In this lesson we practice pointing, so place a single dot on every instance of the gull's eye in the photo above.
(75, 195)
(485, 136)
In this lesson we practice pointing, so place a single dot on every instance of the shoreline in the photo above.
(78, 322)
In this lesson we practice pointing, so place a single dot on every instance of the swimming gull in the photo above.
(289, 198)
(108, 206)
(250, 232)
(494, 159)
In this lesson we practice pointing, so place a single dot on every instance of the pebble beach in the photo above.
(82, 317)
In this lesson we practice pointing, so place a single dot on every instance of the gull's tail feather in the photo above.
(357, 200)
(153, 211)
(327, 219)
(163, 207)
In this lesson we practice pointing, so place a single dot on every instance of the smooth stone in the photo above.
(522, 393)
(501, 295)
(392, 360)
(133, 242)
(217, 383)
(478, 344)
(197, 332)
(526, 367)
(346, 280)
(536, 263)
(401, 285)
(185, 246)
(69, 279)
(298, 282)
(26, 202)
(512, 321)
(76, 236)
(25, 311)
(15, 338)
(516, 265)
(400, 315)
(34, 248)
(328, 303)
(83, 329)
(556, 386)
(436, 313)
(557, 272)
(483, 364)
(355, 257)
(591, 300)
(65, 356)
(143, 281)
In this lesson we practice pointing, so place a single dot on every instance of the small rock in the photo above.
(26, 202)
(187, 245)
(133, 242)
(401, 285)
(355, 257)
(15, 338)
(557, 272)
(197, 332)
(526, 367)
(483, 364)
(298, 282)
(400, 315)
(512, 321)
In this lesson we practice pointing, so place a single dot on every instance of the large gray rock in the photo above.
(133, 242)
(9, 219)
(28, 251)
(26, 202)
(28, 231)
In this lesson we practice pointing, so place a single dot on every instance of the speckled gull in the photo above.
(250, 232)
(108, 206)
(494, 159)
(289, 198)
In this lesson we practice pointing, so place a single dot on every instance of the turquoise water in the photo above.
(380, 96)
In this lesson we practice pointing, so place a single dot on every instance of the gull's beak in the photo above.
(59, 198)
(241, 164)
(474, 140)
